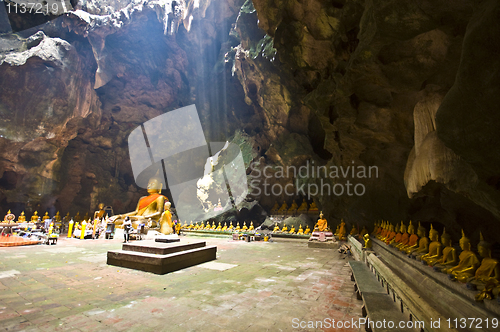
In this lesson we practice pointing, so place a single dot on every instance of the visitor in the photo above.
(127, 227)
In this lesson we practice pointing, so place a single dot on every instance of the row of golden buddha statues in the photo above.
(304, 208)
(218, 228)
(9, 217)
(481, 273)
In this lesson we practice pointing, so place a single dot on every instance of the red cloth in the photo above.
(145, 201)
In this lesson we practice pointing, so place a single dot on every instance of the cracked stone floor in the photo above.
(259, 286)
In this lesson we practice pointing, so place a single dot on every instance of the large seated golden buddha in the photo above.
(150, 206)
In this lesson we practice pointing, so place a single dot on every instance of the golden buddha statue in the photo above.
(275, 208)
(337, 230)
(313, 207)
(251, 228)
(303, 207)
(219, 227)
(423, 242)
(382, 232)
(467, 262)
(101, 213)
(364, 231)
(46, 216)
(191, 226)
(368, 242)
(244, 228)
(387, 231)
(409, 240)
(237, 226)
(166, 220)
(34, 217)
(21, 218)
(342, 232)
(293, 208)
(284, 229)
(300, 231)
(392, 234)
(449, 257)
(57, 217)
(230, 228)
(375, 228)
(276, 228)
(321, 224)
(488, 271)
(224, 228)
(292, 230)
(150, 206)
(77, 217)
(213, 226)
(283, 209)
(307, 231)
(207, 226)
(399, 236)
(185, 225)
(435, 247)
(354, 230)
(86, 216)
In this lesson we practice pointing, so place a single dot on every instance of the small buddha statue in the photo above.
(392, 234)
(191, 226)
(224, 228)
(449, 257)
(251, 228)
(213, 226)
(219, 227)
(342, 231)
(46, 216)
(368, 242)
(383, 230)
(364, 231)
(276, 228)
(86, 217)
(166, 220)
(405, 239)
(337, 231)
(387, 231)
(467, 262)
(185, 225)
(488, 271)
(399, 233)
(313, 207)
(34, 217)
(207, 226)
(275, 208)
(292, 230)
(9, 217)
(435, 247)
(303, 207)
(150, 206)
(101, 212)
(375, 228)
(77, 217)
(321, 224)
(307, 231)
(423, 243)
(67, 218)
(230, 228)
(354, 230)
(237, 226)
(284, 229)
(293, 208)
(245, 227)
(22, 217)
(283, 209)
(57, 217)
(300, 231)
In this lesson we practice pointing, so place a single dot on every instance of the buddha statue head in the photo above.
(420, 230)
(397, 228)
(411, 228)
(483, 247)
(321, 215)
(433, 234)
(167, 205)
(446, 238)
(155, 185)
(464, 242)
(101, 206)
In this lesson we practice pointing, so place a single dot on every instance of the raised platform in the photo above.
(323, 245)
(161, 258)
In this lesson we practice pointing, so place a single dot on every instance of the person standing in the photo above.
(127, 228)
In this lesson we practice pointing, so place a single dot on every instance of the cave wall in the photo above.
(408, 87)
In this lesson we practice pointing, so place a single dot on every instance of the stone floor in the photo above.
(259, 286)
